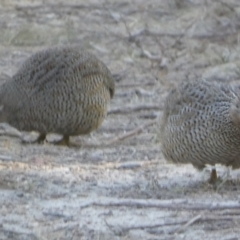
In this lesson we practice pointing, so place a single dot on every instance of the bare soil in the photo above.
(116, 184)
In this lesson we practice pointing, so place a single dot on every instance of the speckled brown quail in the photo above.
(60, 90)
(201, 125)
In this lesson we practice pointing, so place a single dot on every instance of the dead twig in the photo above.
(174, 204)
(190, 222)
(230, 212)
(106, 202)
(179, 35)
(172, 221)
(130, 133)
(148, 55)
(134, 109)
(120, 229)
(134, 85)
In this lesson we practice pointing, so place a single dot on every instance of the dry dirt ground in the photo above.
(116, 184)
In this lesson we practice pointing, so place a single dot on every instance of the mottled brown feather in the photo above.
(59, 90)
(201, 124)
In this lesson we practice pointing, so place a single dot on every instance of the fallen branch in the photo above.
(130, 133)
(134, 85)
(174, 204)
(165, 222)
(106, 202)
(169, 222)
(135, 109)
(190, 222)
(149, 116)
(180, 34)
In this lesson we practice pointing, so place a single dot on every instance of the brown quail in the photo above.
(60, 90)
(201, 125)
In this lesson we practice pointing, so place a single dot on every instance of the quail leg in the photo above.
(213, 178)
(40, 138)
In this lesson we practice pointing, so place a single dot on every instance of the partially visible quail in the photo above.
(60, 90)
(201, 125)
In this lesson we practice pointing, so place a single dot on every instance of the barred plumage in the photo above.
(58, 90)
(201, 125)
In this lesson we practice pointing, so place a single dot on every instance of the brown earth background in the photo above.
(117, 185)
